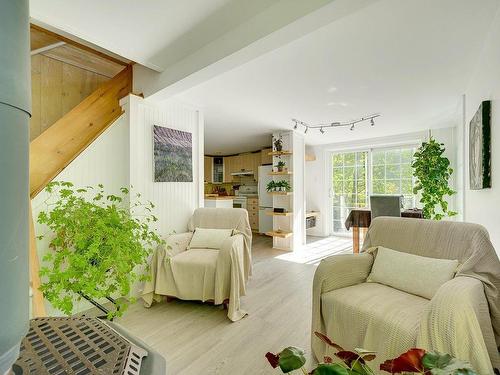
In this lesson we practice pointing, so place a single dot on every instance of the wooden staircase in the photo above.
(61, 143)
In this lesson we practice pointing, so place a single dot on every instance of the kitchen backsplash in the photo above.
(210, 188)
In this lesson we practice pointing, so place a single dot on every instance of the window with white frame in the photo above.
(357, 175)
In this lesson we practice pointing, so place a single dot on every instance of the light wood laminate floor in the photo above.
(197, 338)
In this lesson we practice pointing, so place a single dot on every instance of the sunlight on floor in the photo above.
(318, 248)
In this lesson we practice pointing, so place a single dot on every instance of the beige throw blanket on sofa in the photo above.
(463, 317)
(190, 274)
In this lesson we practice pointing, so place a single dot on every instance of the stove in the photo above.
(244, 191)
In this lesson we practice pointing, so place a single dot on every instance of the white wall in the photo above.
(318, 174)
(175, 201)
(122, 157)
(105, 162)
(481, 206)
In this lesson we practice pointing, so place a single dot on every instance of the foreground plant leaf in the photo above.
(367, 355)
(349, 357)
(291, 358)
(411, 361)
(273, 359)
(330, 369)
(329, 342)
(445, 364)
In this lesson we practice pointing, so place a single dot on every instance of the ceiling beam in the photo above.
(275, 26)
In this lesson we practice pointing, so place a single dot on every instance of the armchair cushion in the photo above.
(194, 274)
(208, 238)
(374, 316)
(411, 273)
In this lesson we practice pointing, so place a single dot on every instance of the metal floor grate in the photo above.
(76, 346)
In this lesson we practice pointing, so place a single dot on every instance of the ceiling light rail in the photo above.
(352, 124)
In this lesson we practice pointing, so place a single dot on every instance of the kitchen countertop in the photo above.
(220, 197)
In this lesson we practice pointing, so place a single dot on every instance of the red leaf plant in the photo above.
(411, 361)
(355, 362)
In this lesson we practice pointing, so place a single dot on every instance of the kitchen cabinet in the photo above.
(253, 213)
(247, 161)
(265, 158)
(228, 168)
(237, 163)
(256, 164)
(209, 162)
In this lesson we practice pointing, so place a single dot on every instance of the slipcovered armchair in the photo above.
(461, 318)
(204, 274)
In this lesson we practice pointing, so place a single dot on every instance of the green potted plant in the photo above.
(285, 185)
(414, 361)
(278, 144)
(432, 172)
(271, 186)
(280, 166)
(96, 244)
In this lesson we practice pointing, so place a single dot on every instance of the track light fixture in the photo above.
(321, 127)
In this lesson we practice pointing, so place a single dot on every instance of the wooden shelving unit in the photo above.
(282, 234)
(283, 173)
(279, 153)
(280, 192)
(271, 213)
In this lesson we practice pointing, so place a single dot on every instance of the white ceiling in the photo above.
(409, 60)
(154, 33)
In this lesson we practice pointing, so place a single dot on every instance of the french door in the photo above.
(358, 174)
(350, 185)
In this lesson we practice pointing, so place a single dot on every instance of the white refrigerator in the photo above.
(265, 199)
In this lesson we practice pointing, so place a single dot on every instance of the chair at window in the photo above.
(385, 205)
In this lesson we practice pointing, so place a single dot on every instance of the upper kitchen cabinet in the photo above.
(209, 162)
(256, 164)
(246, 162)
(265, 158)
(228, 168)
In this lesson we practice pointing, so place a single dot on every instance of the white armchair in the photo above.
(204, 274)
(462, 318)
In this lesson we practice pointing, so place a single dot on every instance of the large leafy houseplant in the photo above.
(432, 171)
(414, 361)
(96, 243)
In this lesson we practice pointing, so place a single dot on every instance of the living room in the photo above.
(232, 187)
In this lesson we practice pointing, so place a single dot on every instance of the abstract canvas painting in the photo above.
(173, 155)
(480, 148)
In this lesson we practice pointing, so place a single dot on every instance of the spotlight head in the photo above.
(352, 127)
(321, 130)
(306, 129)
(372, 122)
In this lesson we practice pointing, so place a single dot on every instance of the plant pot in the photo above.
(280, 169)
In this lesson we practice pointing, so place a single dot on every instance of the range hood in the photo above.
(242, 173)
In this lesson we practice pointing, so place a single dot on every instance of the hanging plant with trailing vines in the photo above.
(432, 171)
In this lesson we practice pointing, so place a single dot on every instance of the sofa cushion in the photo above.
(204, 238)
(411, 273)
(369, 312)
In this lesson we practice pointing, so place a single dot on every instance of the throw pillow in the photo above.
(204, 238)
(410, 273)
